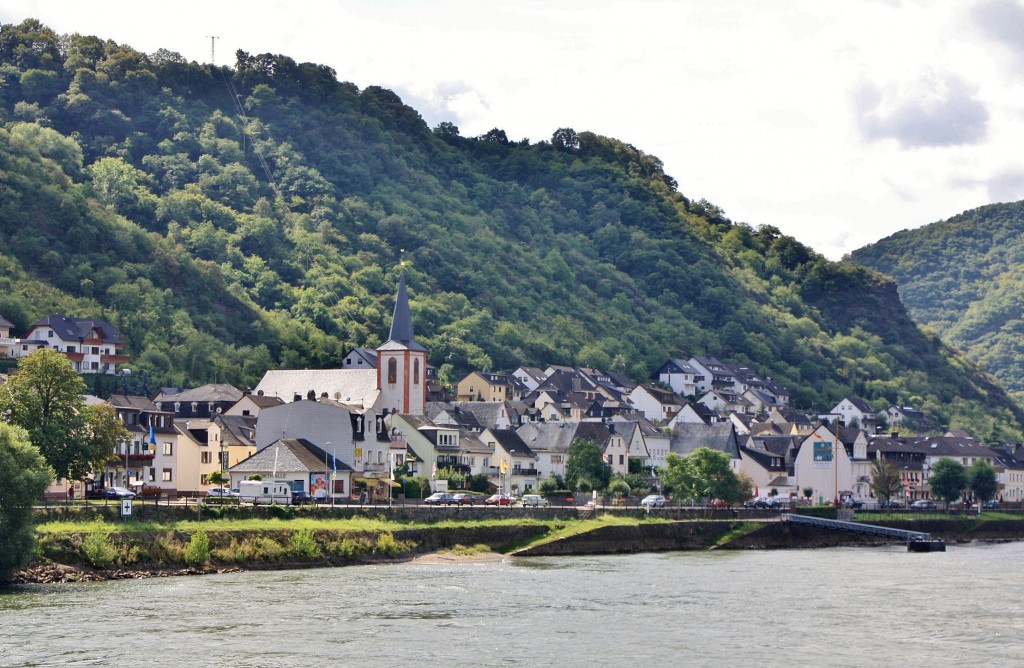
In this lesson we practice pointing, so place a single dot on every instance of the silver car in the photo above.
(653, 501)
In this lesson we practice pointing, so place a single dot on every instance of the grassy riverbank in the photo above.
(98, 549)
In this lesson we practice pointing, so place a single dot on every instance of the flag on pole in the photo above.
(152, 436)
(504, 466)
(433, 473)
(334, 460)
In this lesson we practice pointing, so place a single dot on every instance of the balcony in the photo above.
(75, 357)
(530, 473)
(133, 459)
(455, 464)
(115, 359)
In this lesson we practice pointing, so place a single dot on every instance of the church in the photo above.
(397, 382)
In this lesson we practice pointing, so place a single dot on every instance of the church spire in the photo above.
(401, 320)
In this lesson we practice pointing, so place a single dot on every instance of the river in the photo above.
(843, 607)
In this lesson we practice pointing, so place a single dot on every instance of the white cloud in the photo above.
(932, 110)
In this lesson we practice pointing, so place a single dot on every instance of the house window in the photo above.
(620, 459)
(206, 457)
(71, 349)
(168, 448)
(204, 479)
(380, 456)
(166, 477)
(49, 333)
(152, 474)
(392, 370)
(416, 372)
(95, 350)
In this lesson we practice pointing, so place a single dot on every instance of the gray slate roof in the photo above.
(291, 455)
(688, 436)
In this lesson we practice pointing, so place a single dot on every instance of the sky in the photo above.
(839, 123)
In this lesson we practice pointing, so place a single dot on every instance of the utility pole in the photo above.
(213, 39)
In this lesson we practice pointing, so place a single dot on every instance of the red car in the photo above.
(498, 500)
(718, 503)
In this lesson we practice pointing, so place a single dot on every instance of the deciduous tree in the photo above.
(24, 476)
(45, 398)
(703, 474)
(948, 479)
(981, 478)
(586, 466)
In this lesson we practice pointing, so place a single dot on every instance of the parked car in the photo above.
(890, 504)
(440, 499)
(499, 500)
(534, 500)
(653, 501)
(219, 491)
(759, 502)
(117, 493)
(923, 504)
(856, 504)
(717, 503)
(301, 498)
(464, 499)
(990, 505)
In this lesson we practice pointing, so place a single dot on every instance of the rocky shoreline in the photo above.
(48, 572)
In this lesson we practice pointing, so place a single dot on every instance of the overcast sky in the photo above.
(838, 122)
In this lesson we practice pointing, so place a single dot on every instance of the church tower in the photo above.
(402, 363)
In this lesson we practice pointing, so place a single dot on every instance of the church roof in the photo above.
(401, 321)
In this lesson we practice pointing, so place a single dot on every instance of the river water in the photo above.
(826, 607)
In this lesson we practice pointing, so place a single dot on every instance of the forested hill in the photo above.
(230, 220)
(964, 278)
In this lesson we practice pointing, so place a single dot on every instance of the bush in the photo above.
(197, 552)
(386, 544)
(350, 547)
(269, 549)
(282, 512)
(98, 550)
(303, 544)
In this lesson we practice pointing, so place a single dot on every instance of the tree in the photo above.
(45, 398)
(565, 139)
(703, 474)
(24, 476)
(981, 479)
(948, 479)
(456, 479)
(586, 467)
(885, 480)
(619, 488)
(217, 478)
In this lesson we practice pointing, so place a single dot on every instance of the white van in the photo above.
(265, 491)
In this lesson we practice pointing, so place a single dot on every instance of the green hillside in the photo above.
(962, 278)
(230, 220)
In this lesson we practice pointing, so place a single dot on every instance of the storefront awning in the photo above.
(374, 481)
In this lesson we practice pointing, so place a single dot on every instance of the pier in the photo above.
(917, 541)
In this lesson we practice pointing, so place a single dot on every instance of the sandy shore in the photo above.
(455, 558)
